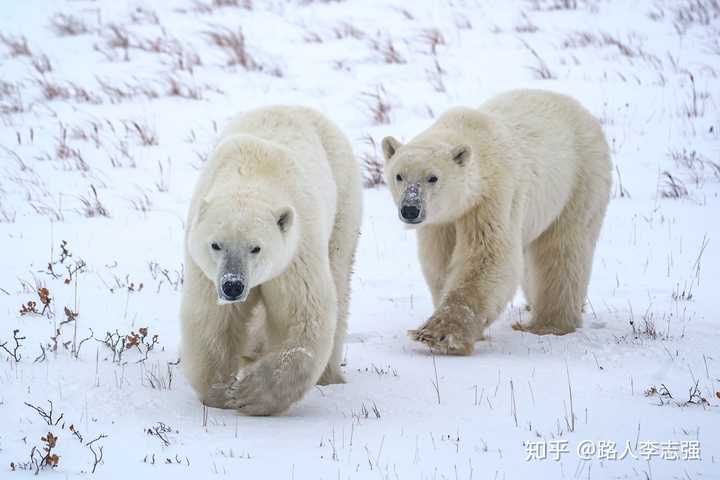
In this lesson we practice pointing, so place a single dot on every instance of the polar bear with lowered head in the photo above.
(271, 236)
(511, 193)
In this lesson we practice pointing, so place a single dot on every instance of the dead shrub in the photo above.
(68, 25)
(379, 105)
(92, 206)
(372, 164)
(18, 46)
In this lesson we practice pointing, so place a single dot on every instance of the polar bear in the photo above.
(511, 193)
(271, 233)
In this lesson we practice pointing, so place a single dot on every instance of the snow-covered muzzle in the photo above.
(232, 281)
(412, 205)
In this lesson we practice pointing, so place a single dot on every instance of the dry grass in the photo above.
(540, 69)
(435, 77)
(144, 134)
(119, 92)
(672, 186)
(346, 30)
(121, 157)
(68, 25)
(552, 5)
(6, 216)
(180, 57)
(17, 46)
(116, 37)
(433, 38)
(630, 47)
(162, 44)
(695, 107)
(313, 37)
(580, 39)
(372, 164)
(142, 15)
(91, 134)
(176, 87)
(657, 14)
(664, 396)
(173, 85)
(184, 59)
(647, 327)
(41, 64)
(696, 166)
(233, 44)
(141, 202)
(163, 183)
(52, 90)
(405, 13)
(92, 206)
(526, 25)
(83, 95)
(246, 4)
(462, 22)
(713, 43)
(205, 8)
(10, 98)
(53, 212)
(71, 157)
(688, 13)
(387, 51)
(201, 7)
(235, 48)
(341, 31)
(379, 105)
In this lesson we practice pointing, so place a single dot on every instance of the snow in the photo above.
(648, 70)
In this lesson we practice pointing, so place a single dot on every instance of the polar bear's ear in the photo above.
(284, 218)
(461, 154)
(390, 145)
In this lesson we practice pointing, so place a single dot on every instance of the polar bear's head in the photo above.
(241, 240)
(427, 181)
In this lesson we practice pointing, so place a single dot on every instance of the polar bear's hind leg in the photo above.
(558, 266)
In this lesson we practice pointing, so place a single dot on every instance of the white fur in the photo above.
(277, 162)
(524, 204)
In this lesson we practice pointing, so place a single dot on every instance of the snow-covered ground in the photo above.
(108, 109)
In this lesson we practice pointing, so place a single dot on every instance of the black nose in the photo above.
(232, 289)
(410, 212)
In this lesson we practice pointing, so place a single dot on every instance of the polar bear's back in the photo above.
(546, 124)
(561, 146)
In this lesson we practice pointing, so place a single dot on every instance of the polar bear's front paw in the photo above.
(249, 394)
(448, 331)
(271, 384)
(216, 395)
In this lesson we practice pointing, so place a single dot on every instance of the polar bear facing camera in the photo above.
(271, 236)
(511, 193)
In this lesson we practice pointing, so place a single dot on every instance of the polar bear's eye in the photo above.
(255, 250)
(398, 177)
(215, 246)
(432, 179)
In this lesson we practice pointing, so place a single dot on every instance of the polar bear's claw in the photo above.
(449, 344)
